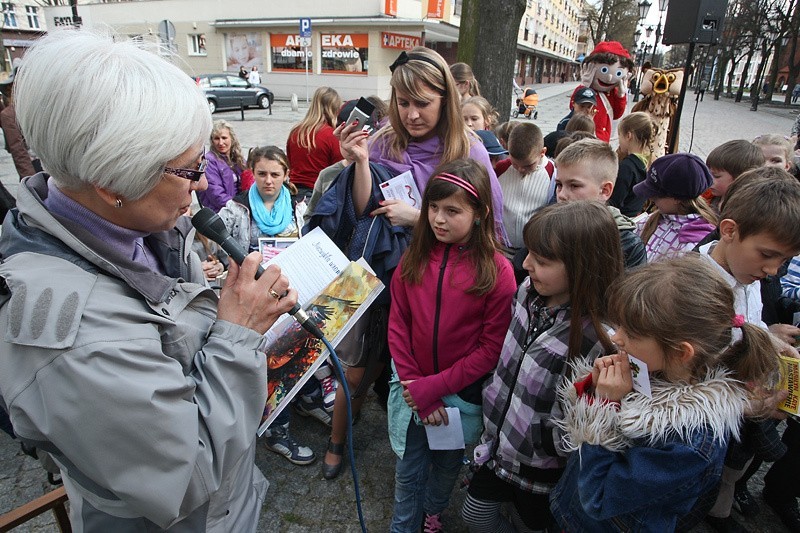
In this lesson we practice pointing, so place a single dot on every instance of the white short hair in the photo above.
(107, 113)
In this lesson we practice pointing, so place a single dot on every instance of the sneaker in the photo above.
(786, 510)
(433, 523)
(328, 384)
(725, 525)
(312, 406)
(744, 502)
(281, 442)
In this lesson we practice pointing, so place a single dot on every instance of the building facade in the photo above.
(23, 22)
(351, 44)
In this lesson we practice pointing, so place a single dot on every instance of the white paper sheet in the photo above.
(449, 437)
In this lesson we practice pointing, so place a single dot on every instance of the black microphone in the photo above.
(208, 223)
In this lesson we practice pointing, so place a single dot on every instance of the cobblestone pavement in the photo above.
(299, 499)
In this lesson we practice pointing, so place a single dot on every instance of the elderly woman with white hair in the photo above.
(116, 359)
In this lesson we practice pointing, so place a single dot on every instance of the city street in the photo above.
(299, 499)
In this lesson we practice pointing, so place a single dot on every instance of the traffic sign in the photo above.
(304, 42)
(305, 27)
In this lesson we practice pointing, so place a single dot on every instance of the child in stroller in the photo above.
(527, 104)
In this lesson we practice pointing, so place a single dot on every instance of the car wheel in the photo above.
(212, 106)
(515, 113)
(263, 101)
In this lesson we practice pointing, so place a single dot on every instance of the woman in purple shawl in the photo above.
(425, 130)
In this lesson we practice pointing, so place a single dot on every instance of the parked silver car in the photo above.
(225, 91)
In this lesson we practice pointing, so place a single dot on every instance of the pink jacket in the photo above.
(442, 337)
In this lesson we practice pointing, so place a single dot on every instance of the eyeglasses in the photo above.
(190, 173)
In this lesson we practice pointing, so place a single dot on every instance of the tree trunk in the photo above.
(746, 71)
(496, 30)
(468, 31)
(773, 73)
(720, 81)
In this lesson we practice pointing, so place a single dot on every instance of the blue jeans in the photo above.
(424, 479)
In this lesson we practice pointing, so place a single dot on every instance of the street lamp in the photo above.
(644, 9)
(662, 6)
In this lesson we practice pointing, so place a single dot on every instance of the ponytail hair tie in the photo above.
(737, 321)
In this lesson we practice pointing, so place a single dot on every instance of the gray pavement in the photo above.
(299, 499)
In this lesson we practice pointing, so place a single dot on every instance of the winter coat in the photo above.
(642, 464)
(441, 336)
(633, 251)
(147, 402)
(224, 183)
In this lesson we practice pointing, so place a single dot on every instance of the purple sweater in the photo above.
(421, 158)
(223, 183)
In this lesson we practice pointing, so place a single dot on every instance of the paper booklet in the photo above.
(334, 292)
(790, 381)
(402, 187)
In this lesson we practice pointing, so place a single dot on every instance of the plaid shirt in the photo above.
(521, 399)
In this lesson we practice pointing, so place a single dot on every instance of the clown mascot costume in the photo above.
(606, 70)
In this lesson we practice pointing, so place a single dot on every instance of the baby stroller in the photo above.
(527, 104)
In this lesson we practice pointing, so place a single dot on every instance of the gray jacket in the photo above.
(147, 403)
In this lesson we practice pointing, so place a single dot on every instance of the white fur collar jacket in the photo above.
(675, 411)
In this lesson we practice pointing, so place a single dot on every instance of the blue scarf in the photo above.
(275, 221)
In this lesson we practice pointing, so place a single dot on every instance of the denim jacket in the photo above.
(642, 465)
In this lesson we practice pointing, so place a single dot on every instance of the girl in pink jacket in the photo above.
(451, 306)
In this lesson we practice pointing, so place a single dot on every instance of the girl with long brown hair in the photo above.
(451, 305)
(574, 254)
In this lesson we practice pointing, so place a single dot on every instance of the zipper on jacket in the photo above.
(438, 309)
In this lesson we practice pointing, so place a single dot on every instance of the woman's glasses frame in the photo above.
(190, 173)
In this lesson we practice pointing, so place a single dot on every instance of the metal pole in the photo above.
(672, 145)
(306, 54)
(658, 37)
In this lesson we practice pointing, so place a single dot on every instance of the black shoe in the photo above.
(332, 471)
(787, 511)
(725, 525)
(744, 502)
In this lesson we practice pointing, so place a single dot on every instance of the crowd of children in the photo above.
(538, 277)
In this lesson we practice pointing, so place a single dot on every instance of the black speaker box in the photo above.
(698, 21)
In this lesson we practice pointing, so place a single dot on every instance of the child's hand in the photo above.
(398, 212)
(599, 364)
(785, 332)
(615, 380)
(764, 402)
(437, 418)
(407, 395)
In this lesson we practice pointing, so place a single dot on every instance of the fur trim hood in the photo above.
(674, 412)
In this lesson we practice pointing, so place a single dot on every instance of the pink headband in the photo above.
(461, 182)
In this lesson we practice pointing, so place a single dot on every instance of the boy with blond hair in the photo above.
(587, 170)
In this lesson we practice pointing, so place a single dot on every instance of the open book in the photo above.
(334, 292)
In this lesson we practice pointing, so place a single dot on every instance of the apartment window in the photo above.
(33, 16)
(197, 44)
(9, 15)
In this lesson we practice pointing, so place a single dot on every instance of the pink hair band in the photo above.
(461, 182)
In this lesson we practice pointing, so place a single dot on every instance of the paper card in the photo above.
(641, 378)
(272, 246)
(449, 437)
(402, 187)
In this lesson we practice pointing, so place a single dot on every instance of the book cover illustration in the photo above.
(295, 354)
(790, 381)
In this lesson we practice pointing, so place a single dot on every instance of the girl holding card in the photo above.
(651, 462)
(574, 254)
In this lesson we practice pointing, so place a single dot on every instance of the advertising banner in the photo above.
(344, 53)
(390, 8)
(244, 50)
(399, 41)
(435, 9)
(287, 53)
